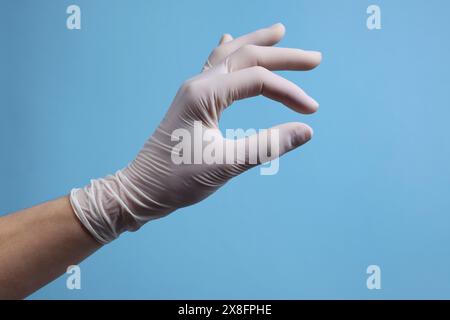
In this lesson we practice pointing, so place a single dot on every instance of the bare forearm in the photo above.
(38, 244)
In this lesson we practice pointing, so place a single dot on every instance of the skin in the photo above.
(38, 244)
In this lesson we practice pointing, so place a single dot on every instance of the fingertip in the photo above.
(309, 132)
(279, 26)
(280, 30)
(309, 106)
(225, 38)
(314, 105)
(311, 59)
(302, 134)
(316, 56)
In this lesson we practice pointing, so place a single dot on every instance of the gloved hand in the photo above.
(156, 183)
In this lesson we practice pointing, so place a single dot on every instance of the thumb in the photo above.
(270, 144)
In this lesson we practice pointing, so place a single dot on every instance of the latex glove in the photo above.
(153, 185)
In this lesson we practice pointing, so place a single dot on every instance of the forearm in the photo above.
(38, 244)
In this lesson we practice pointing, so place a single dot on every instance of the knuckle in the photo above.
(261, 75)
(260, 71)
(248, 50)
(189, 86)
(192, 88)
(216, 52)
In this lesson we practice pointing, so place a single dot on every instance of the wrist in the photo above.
(105, 207)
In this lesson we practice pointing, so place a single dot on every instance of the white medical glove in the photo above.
(155, 183)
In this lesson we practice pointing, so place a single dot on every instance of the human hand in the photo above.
(166, 175)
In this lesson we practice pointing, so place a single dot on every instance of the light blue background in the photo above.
(372, 187)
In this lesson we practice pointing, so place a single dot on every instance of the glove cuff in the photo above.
(106, 207)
